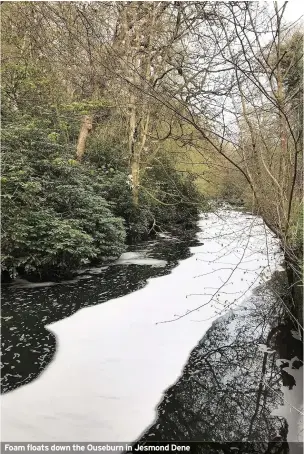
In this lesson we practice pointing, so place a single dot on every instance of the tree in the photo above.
(67, 136)
(236, 85)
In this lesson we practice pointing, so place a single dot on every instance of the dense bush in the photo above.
(58, 214)
(53, 211)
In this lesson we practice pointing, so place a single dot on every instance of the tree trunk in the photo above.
(134, 158)
(135, 179)
(86, 127)
(137, 145)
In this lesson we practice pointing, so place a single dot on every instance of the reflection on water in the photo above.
(233, 382)
(27, 346)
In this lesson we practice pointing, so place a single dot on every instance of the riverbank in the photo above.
(184, 234)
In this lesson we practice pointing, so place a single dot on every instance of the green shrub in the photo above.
(53, 210)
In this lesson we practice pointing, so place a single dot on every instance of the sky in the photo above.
(294, 9)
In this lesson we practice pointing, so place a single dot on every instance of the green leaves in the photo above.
(86, 106)
(54, 214)
(53, 137)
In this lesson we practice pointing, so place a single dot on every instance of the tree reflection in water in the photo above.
(232, 383)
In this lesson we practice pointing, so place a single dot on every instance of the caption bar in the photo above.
(93, 447)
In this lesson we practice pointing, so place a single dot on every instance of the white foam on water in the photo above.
(115, 360)
(138, 258)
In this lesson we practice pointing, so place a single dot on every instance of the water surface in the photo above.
(109, 364)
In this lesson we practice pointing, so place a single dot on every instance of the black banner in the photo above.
(278, 447)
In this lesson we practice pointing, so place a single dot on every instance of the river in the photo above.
(90, 359)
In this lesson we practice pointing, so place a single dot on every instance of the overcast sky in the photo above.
(294, 9)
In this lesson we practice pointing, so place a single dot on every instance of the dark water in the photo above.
(28, 347)
(230, 386)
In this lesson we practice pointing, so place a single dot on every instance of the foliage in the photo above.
(232, 188)
(167, 198)
(172, 194)
(59, 213)
(53, 212)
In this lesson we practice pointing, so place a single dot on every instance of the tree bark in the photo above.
(86, 128)
(134, 158)
(135, 181)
